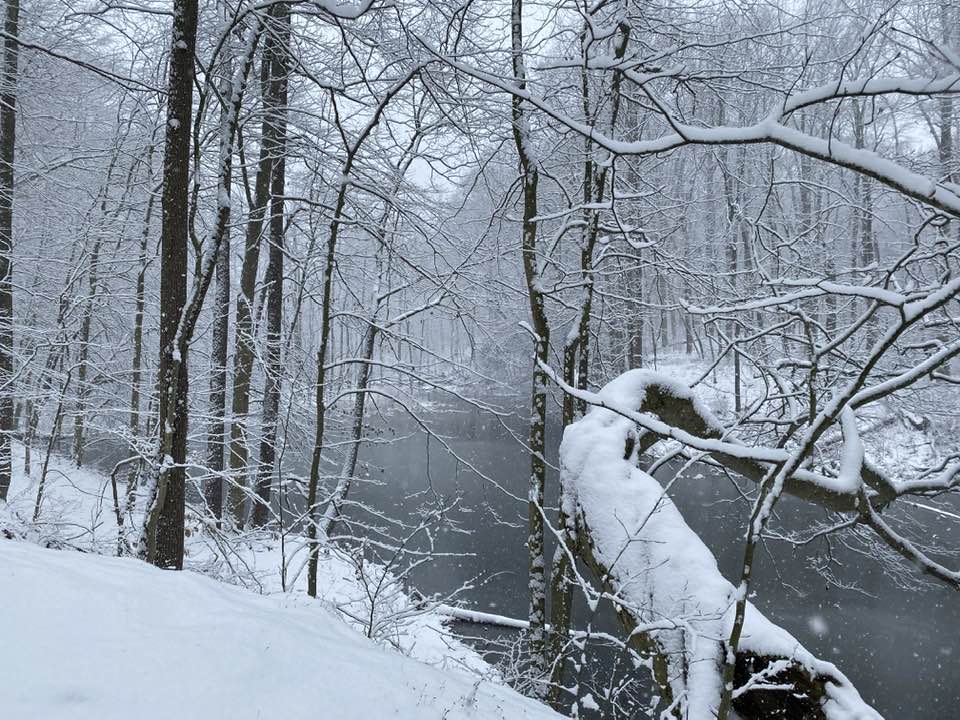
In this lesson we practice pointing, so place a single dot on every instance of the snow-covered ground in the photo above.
(88, 636)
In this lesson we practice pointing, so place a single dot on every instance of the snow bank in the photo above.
(660, 569)
(86, 636)
(77, 514)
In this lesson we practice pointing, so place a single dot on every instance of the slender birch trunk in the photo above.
(529, 171)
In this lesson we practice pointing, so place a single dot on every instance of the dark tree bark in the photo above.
(162, 539)
(274, 283)
(8, 128)
(172, 373)
(320, 401)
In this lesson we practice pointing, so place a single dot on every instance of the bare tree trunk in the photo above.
(244, 326)
(156, 541)
(537, 585)
(136, 372)
(220, 332)
(274, 283)
(320, 401)
(8, 128)
(172, 371)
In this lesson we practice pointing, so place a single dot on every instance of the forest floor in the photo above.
(89, 636)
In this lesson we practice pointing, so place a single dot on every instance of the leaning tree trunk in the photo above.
(274, 282)
(8, 128)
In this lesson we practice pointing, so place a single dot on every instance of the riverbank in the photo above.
(78, 518)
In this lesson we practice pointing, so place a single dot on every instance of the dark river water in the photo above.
(900, 647)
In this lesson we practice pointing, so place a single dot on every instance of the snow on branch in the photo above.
(669, 409)
(637, 543)
(770, 129)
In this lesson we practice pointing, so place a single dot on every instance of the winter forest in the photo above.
(480, 359)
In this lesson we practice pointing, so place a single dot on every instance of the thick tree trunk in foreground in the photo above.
(157, 543)
(8, 128)
(172, 373)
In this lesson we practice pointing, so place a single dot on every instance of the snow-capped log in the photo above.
(657, 569)
(667, 409)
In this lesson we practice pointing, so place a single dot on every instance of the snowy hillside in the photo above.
(86, 636)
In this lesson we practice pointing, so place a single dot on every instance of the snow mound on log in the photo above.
(660, 568)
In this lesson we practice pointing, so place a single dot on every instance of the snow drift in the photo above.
(85, 636)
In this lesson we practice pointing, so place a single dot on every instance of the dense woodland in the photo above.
(238, 238)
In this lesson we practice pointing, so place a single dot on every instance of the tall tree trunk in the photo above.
(163, 528)
(320, 401)
(274, 282)
(220, 332)
(136, 370)
(8, 128)
(529, 170)
(243, 326)
(172, 369)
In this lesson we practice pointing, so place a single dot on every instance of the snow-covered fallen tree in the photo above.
(675, 605)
